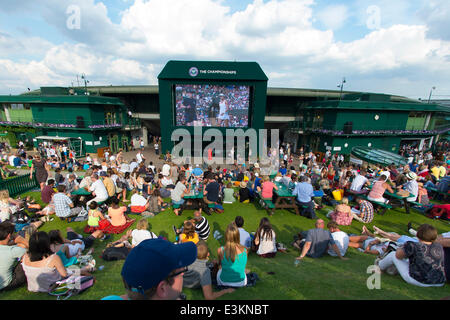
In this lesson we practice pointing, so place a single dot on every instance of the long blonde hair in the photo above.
(232, 242)
(4, 195)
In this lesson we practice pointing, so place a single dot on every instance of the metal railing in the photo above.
(64, 124)
(362, 130)
(18, 185)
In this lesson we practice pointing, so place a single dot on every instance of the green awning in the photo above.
(378, 156)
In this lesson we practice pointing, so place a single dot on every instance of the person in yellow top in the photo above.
(109, 184)
(435, 170)
(189, 233)
(442, 170)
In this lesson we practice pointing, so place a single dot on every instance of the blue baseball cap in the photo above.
(197, 172)
(153, 260)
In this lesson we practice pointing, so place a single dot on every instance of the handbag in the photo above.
(70, 286)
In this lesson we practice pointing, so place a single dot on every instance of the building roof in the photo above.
(66, 99)
(271, 91)
(375, 105)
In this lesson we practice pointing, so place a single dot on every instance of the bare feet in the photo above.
(376, 230)
(365, 231)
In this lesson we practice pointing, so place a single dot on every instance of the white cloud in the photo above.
(333, 17)
(278, 34)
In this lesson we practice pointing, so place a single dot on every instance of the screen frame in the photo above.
(250, 85)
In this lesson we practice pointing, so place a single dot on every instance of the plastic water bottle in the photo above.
(217, 235)
(101, 268)
(296, 262)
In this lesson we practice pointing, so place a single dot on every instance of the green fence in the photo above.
(19, 184)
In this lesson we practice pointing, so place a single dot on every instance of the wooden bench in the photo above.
(436, 192)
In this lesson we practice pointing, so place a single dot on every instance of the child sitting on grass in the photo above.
(228, 194)
(94, 217)
(141, 233)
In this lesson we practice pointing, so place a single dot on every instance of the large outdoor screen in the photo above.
(208, 105)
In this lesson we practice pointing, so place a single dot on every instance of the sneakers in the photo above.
(174, 229)
(105, 237)
(377, 261)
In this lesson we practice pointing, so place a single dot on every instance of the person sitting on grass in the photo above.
(42, 267)
(342, 214)
(265, 239)
(244, 193)
(141, 233)
(201, 226)
(228, 194)
(340, 238)
(48, 191)
(199, 274)
(244, 236)
(94, 218)
(181, 189)
(64, 207)
(419, 263)
(98, 190)
(232, 260)
(188, 233)
(315, 242)
(138, 203)
(365, 212)
(117, 214)
(12, 249)
(154, 270)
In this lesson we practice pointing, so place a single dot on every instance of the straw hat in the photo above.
(243, 184)
(411, 176)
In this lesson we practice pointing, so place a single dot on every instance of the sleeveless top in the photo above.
(377, 190)
(93, 221)
(39, 279)
(66, 261)
(233, 271)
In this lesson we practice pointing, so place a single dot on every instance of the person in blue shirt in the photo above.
(283, 170)
(305, 192)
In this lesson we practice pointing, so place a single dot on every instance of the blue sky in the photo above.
(399, 47)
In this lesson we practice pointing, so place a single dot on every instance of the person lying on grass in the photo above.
(199, 274)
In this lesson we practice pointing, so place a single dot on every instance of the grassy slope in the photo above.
(324, 278)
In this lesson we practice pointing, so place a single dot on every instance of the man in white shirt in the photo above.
(106, 155)
(89, 159)
(133, 165)
(244, 236)
(340, 238)
(98, 189)
(166, 169)
(359, 182)
(140, 157)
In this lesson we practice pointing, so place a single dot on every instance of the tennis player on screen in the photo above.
(223, 111)
(189, 104)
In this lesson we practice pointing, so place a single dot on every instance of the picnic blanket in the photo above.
(118, 229)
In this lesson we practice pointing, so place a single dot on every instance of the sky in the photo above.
(399, 47)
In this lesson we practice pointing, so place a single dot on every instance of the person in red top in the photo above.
(267, 188)
(47, 192)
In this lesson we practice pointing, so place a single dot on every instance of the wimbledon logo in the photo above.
(193, 72)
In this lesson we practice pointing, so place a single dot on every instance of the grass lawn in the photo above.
(323, 278)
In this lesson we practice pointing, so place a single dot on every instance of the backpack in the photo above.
(438, 213)
(70, 286)
(113, 253)
(20, 217)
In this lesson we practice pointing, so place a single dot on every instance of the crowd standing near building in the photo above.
(155, 268)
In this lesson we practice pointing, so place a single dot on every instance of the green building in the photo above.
(312, 117)
(87, 123)
(371, 120)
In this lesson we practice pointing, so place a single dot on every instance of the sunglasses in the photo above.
(175, 274)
